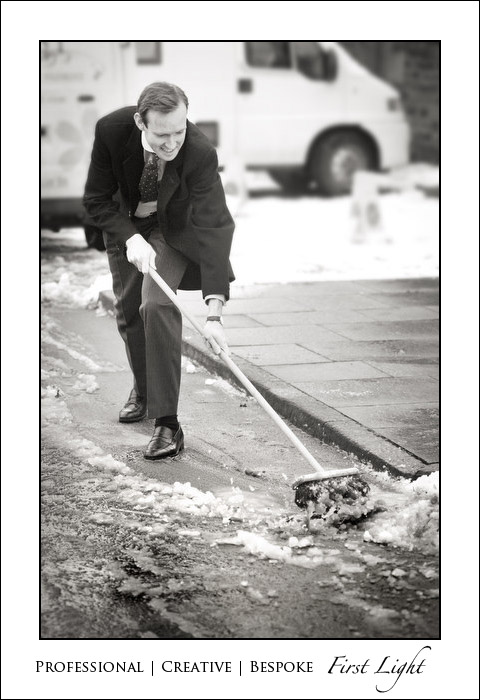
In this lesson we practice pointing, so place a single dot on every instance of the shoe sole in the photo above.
(132, 420)
(175, 454)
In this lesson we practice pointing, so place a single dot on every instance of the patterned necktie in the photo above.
(148, 184)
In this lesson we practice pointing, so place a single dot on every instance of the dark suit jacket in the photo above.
(191, 206)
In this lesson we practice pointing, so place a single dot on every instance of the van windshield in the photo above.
(309, 59)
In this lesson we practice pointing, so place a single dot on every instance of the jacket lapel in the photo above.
(171, 178)
(168, 185)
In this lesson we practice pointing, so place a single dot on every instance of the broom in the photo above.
(336, 484)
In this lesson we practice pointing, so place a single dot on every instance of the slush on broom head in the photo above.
(330, 490)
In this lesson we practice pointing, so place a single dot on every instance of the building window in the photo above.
(148, 52)
(268, 54)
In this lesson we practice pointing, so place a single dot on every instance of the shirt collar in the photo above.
(145, 144)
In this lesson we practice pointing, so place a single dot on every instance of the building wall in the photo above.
(413, 67)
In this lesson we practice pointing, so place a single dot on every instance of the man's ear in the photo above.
(139, 121)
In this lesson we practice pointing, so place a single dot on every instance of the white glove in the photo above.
(215, 337)
(140, 253)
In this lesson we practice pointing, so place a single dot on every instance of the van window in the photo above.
(268, 54)
(309, 59)
(148, 52)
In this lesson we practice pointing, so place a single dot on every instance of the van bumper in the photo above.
(394, 141)
(62, 213)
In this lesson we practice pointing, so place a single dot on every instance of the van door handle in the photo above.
(245, 85)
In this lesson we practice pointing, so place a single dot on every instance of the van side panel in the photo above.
(284, 111)
(80, 82)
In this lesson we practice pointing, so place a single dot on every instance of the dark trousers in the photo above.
(150, 325)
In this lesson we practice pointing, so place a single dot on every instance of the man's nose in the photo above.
(171, 142)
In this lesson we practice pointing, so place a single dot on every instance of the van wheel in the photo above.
(292, 181)
(337, 157)
(94, 237)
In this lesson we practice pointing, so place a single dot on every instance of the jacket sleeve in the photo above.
(100, 189)
(213, 226)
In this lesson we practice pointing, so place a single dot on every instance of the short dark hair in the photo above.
(162, 97)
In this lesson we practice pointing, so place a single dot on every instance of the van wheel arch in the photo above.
(336, 154)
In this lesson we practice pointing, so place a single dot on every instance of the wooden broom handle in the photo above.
(250, 387)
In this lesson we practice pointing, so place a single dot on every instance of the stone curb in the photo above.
(305, 412)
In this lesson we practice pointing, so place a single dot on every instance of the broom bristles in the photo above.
(347, 490)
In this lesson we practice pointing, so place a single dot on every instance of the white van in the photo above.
(306, 111)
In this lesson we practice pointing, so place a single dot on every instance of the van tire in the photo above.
(336, 158)
(291, 181)
(94, 237)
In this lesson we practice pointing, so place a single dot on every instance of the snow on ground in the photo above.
(308, 239)
(417, 520)
(71, 292)
(52, 335)
(74, 281)
(49, 339)
(280, 239)
(409, 517)
(86, 382)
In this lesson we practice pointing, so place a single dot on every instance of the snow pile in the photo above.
(108, 463)
(190, 367)
(102, 311)
(53, 407)
(72, 293)
(83, 448)
(161, 498)
(259, 546)
(100, 284)
(414, 522)
(51, 392)
(86, 382)
(74, 281)
(395, 511)
(299, 552)
(226, 387)
(302, 542)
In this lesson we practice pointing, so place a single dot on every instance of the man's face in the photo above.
(165, 133)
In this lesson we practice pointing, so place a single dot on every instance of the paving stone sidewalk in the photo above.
(353, 363)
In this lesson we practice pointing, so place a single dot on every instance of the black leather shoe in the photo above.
(135, 409)
(164, 443)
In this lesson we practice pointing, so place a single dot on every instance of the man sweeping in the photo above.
(153, 188)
